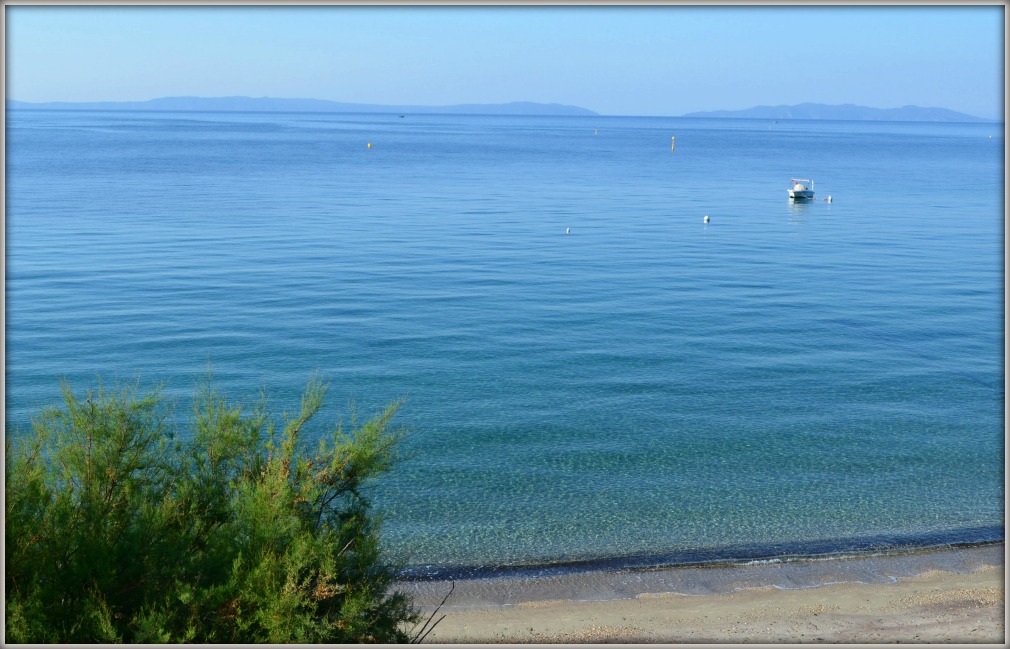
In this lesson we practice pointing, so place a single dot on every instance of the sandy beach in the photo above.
(947, 596)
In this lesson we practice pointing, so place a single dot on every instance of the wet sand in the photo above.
(946, 596)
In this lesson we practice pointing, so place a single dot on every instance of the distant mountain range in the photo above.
(270, 104)
(845, 112)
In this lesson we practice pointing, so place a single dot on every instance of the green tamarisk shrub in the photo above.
(120, 530)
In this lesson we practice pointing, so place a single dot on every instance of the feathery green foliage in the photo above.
(117, 532)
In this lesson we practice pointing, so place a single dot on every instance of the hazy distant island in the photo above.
(277, 105)
(280, 105)
(845, 112)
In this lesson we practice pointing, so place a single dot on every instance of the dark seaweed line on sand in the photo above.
(720, 557)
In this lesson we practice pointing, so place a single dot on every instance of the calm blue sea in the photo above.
(648, 388)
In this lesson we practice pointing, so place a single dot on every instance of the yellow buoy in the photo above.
(369, 145)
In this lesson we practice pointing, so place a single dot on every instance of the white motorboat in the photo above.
(802, 189)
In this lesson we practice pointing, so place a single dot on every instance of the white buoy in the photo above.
(568, 230)
(829, 198)
(706, 218)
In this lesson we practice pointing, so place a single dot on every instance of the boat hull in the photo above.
(805, 195)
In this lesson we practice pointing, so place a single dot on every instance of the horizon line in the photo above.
(428, 107)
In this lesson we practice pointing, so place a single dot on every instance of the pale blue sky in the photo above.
(614, 60)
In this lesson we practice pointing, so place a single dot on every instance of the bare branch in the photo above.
(419, 638)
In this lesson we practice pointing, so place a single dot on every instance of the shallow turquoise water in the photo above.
(786, 376)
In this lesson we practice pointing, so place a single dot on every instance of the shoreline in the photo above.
(933, 595)
(851, 548)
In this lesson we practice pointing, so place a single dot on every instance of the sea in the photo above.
(595, 375)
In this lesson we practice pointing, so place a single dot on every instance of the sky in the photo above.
(617, 60)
